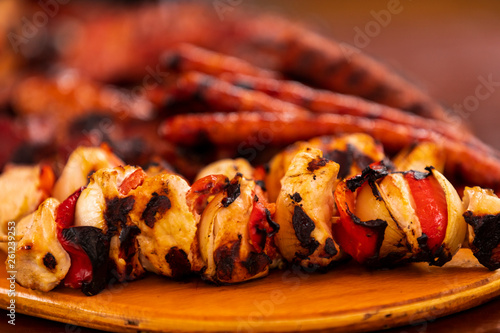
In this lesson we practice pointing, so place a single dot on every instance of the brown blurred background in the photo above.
(442, 46)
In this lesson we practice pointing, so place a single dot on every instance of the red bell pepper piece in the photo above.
(261, 226)
(80, 270)
(360, 239)
(430, 206)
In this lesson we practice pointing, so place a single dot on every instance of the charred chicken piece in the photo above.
(167, 226)
(304, 210)
(106, 204)
(41, 261)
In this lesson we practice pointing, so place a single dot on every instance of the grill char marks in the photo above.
(128, 246)
(487, 238)
(117, 220)
(96, 246)
(347, 158)
(179, 262)
(256, 263)
(316, 164)
(378, 226)
(304, 226)
(49, 261)
(296, 197)
(225, 257)
(275, 226)
(369, 174)
(117, 210)
(158, 204)
(330, 248)
(344, 158)
(232, 191)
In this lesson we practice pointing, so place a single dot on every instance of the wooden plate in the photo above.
(349, 298)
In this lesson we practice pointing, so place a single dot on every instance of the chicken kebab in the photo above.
(329, 199)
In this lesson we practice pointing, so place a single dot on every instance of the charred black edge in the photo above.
(316, 164)
(374, 224)
(296, 197)
(225, 259)
(116, 213)
(275, 226)
(330, 248)
(418, 175)
(370, 174)
(303, 226)
(116, 217)
(256, 263)
(349, 157)
(486, 239)
(438, 258)
(425, 253)
(96, 246)
(179, 262)
(232, 190)
(263, 237)
(345, 159)
(157, 204)
(49, 261)
(129, 246)
(378, 226)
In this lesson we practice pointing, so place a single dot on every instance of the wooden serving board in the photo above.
(349, 298)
